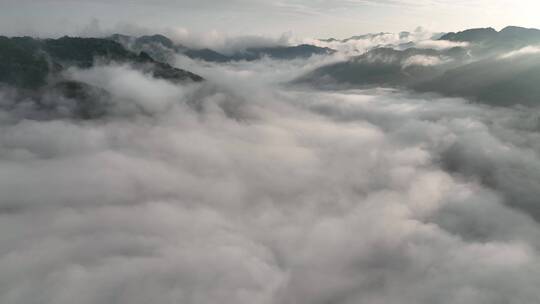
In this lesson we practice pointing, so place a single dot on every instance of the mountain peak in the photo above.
(471, 35)
(515, 31)
(157, 38)
(517, 28)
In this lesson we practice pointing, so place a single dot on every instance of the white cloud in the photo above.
(423, 60)
(440, 44)
(528, 50)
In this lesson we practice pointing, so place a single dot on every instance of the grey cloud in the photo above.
(243, 191)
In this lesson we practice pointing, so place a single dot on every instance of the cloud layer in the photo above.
(241, 191)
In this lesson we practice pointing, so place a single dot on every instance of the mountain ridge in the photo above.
(35, 59)
(162, 47)
(33, 70)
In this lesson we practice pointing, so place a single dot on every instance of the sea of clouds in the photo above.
(243, 190)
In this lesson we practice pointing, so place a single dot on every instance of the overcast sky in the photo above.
(314, 18)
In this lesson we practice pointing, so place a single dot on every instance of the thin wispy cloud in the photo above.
(337, 18)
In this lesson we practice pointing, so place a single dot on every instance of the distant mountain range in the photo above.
(497, 67)
(494, 67)
(370, 36)
(487, 41)
(509, 34)
(162, 48)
